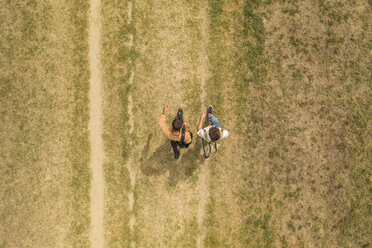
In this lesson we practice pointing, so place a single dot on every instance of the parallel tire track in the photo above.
(130, 165)
(204, 174)
(96, 236)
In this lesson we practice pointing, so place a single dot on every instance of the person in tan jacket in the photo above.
(178, 132)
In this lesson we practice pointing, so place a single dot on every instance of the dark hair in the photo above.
(214, 133)
(177, 124)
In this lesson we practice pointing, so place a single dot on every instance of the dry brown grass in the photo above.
(298, 174)
(167, 39)
(166, 73)
(290, 80)
(323, 79)
(116, 60)
(281, 80)
(44, 177)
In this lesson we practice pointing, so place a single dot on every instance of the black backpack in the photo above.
(182, 143)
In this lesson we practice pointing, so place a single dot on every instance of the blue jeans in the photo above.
(214, 121)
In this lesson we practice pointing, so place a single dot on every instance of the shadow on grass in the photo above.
(163, 160)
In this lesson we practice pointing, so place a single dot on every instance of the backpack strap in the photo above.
(183, 135)
(205, 135)
(210, 144)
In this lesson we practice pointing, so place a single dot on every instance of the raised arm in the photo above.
(201, 120)
(165, 109)
(162, 123)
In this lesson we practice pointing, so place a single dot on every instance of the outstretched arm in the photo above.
(201, 120)
(162, 123)
(165, 109)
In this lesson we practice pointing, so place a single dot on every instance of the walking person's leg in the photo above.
(205, 145)
(175, 149)
(213, 120)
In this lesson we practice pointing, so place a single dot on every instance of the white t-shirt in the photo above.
(225, 133)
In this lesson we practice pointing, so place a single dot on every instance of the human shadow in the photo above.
(163, 160)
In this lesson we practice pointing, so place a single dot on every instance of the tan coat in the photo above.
(167, 131)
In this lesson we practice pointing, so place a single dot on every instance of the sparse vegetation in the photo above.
(44, 150)
(283, 72)
(290, 80)
(116, 61)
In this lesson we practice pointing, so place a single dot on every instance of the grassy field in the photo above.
(302, 80)
(290, 80)
(291, 83)
(44, 150)
(300, 169)
(116, 60)
(157, 65)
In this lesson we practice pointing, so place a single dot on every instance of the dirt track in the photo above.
(204, 173)
(95, 127)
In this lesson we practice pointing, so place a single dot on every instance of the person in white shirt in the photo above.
(213, 132)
